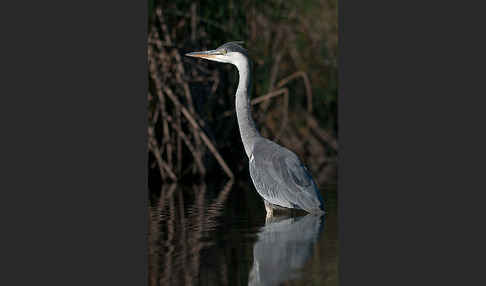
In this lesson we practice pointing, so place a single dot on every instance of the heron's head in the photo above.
(230, 52)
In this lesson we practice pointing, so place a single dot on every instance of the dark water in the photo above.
(218, 234)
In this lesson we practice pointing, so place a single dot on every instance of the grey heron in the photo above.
(277, 173)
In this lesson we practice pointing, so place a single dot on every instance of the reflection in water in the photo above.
(284, 245)
(176, 234)
(215, 234)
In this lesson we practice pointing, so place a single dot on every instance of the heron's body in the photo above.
(277, 173)
(281, 179)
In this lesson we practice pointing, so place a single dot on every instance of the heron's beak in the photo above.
(205, 54)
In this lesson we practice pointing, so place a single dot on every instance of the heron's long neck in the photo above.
(248, 131)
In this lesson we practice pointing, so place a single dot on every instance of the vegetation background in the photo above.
(193, 131)
(194, 138)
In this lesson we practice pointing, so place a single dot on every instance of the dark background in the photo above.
(294, 49)
(74, 143)
(194, 138)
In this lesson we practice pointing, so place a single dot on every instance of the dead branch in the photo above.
(154, 148)
(203, 136)
(320, 133)
(308, 89)
(186, 140)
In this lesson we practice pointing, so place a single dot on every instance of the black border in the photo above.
(410, 156)
(74, 176)
(74, 155)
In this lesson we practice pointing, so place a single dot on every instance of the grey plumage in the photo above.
(281, 179)
(277, 173)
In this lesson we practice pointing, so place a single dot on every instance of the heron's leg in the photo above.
(275, 210)
(268, 208)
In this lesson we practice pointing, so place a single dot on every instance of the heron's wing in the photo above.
(281, 178)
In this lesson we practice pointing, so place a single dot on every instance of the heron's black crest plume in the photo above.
(234, 47)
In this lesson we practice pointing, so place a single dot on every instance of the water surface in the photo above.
(218, 234)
